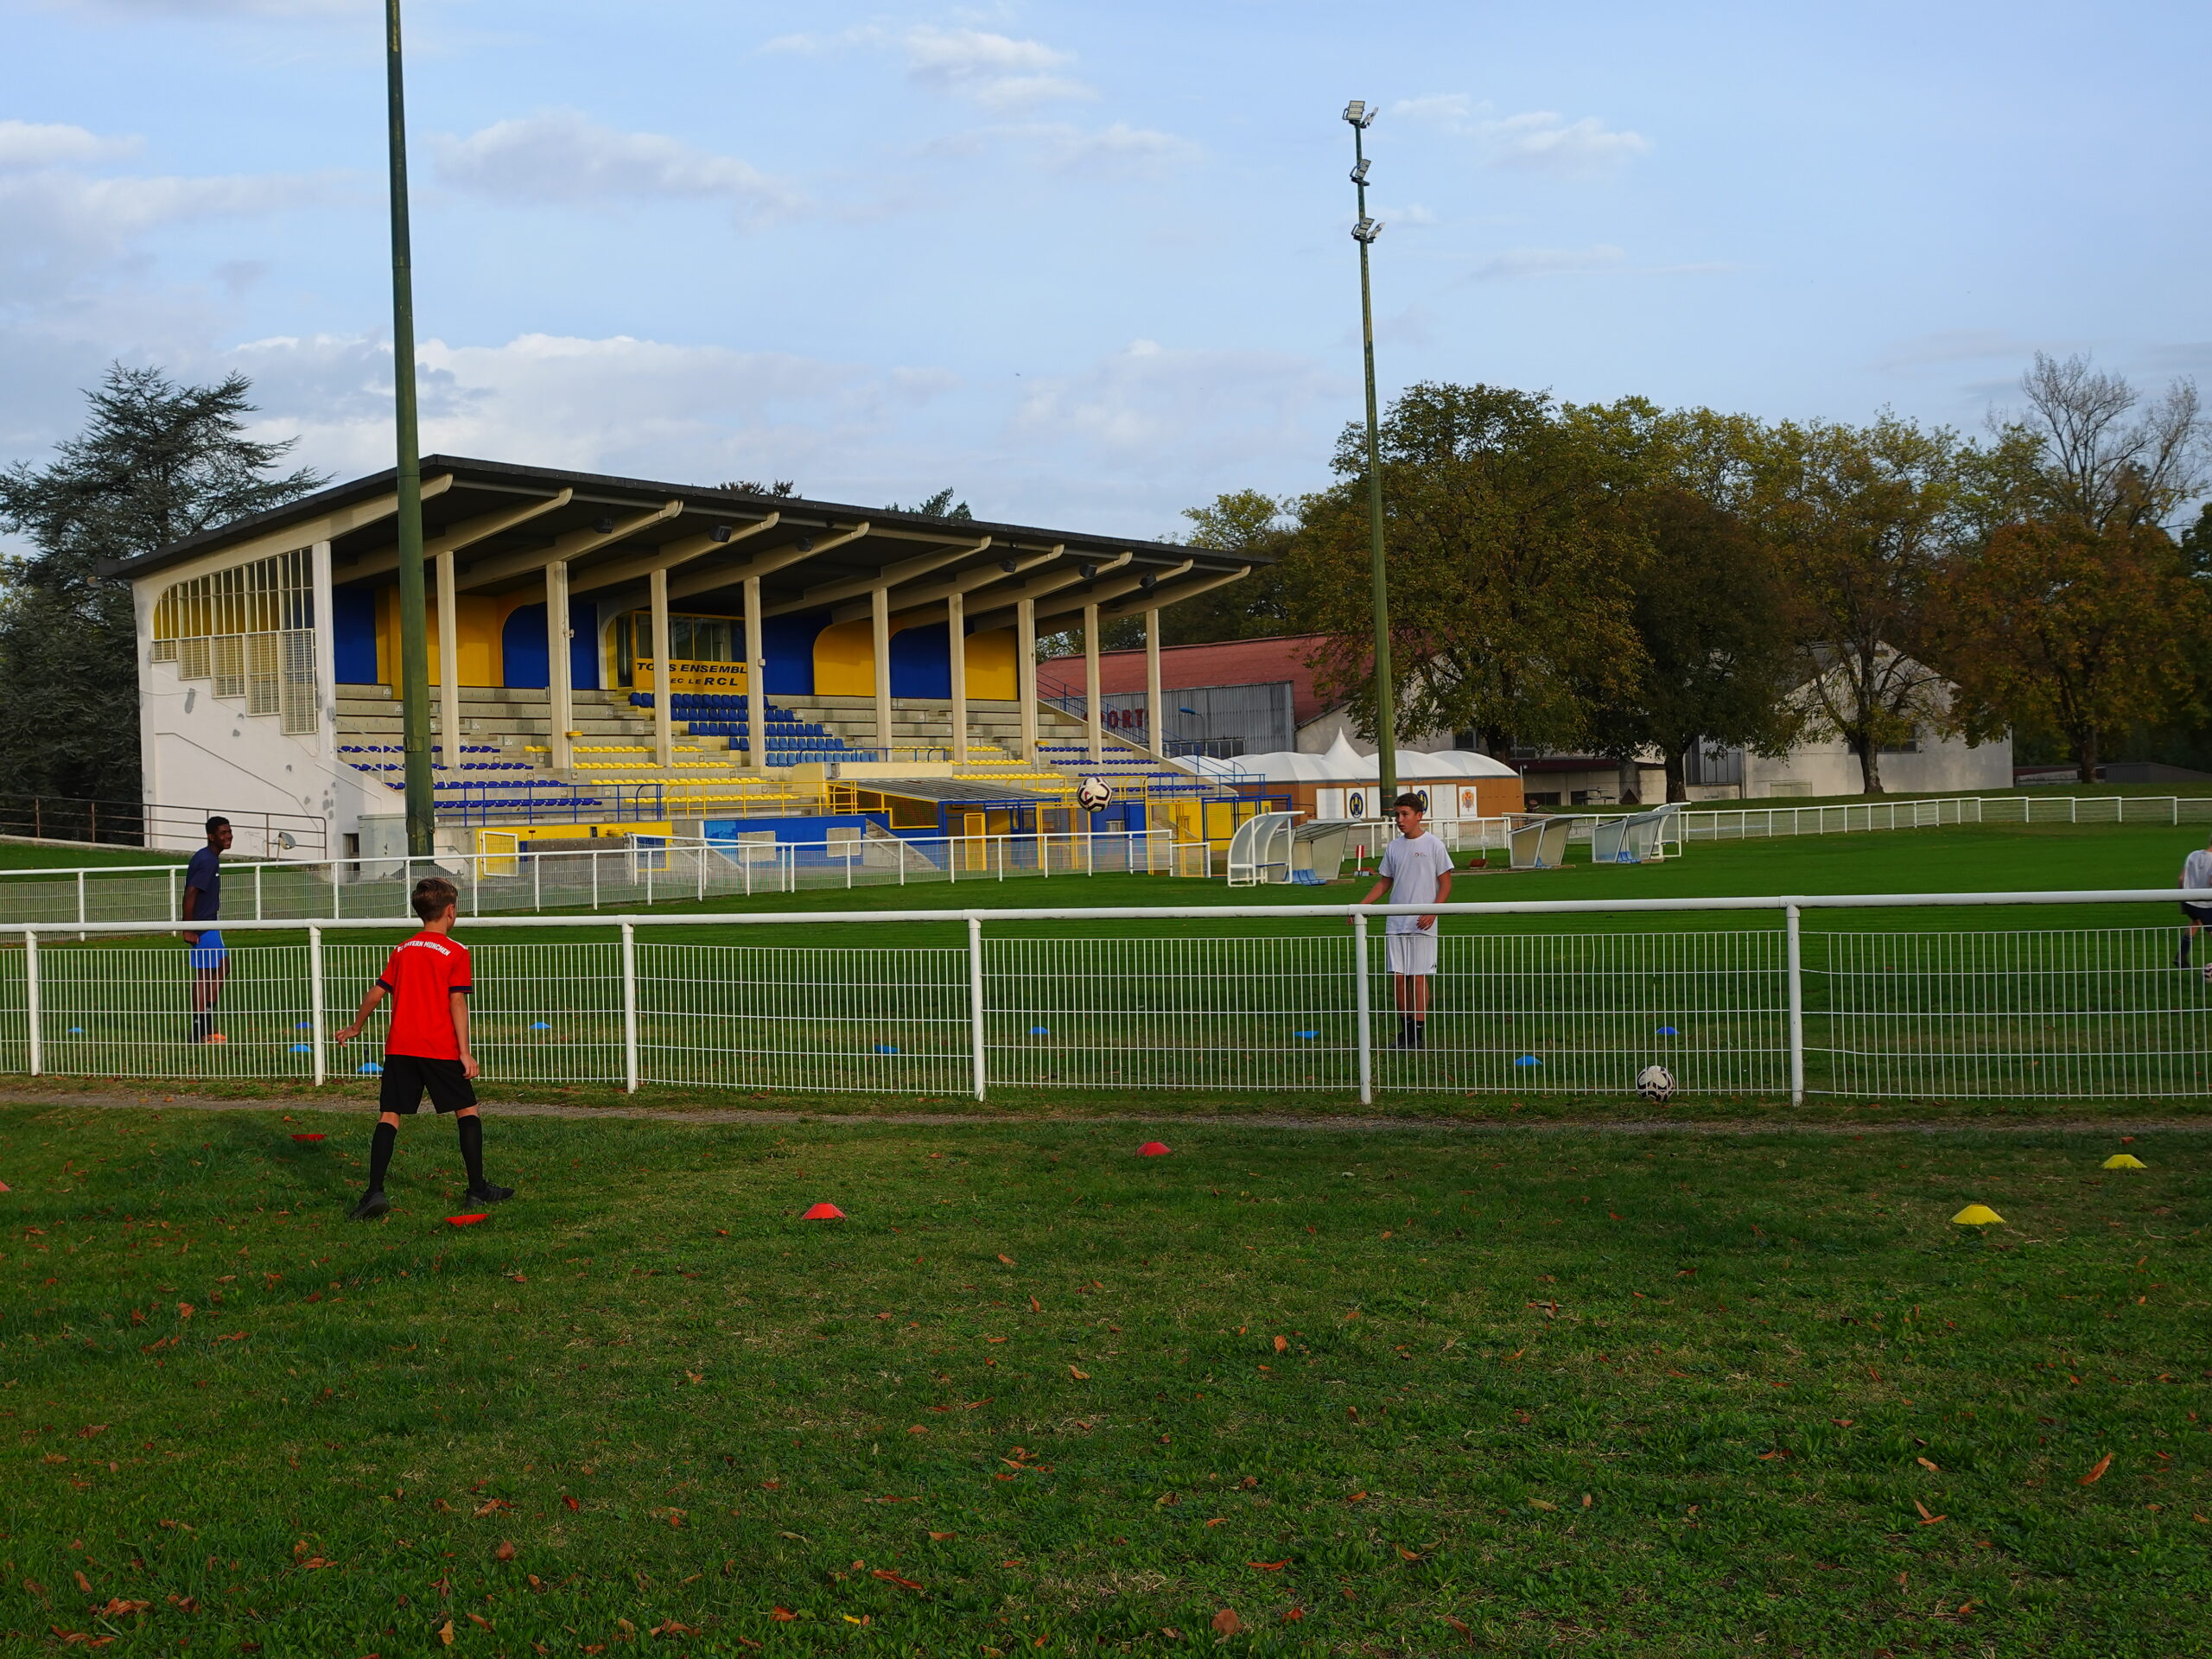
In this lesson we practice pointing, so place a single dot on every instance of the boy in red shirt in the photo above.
(427, 1048)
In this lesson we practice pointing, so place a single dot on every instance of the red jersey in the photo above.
(421, 978)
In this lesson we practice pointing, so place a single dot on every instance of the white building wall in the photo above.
(204, 755)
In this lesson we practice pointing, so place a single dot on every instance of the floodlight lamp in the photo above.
(606, 524)
(1089, 571)
(1008, 567)
(1367, 229)
(1359, 173)
(806, 544)
(719, 533)
(1356, 112)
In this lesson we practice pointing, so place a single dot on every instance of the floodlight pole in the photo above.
(414, 629)
(1386, 714)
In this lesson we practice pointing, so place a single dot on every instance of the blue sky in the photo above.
(1088, 263)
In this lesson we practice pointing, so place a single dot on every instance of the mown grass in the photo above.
(1620, 1394)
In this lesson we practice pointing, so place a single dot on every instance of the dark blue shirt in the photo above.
(205, 872)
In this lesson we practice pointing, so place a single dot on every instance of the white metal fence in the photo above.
(647, 871)
(1744, 999)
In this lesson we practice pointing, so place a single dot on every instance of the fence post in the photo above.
(30, 1001)
(1790, 918)
(1366, 1020)
(629, 1009)
(176, 874)
(975, 1001)
(317, 1013)
(593, 856)
(80, 903)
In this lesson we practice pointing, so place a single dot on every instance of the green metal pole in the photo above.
(1386, 710)
(414, 629)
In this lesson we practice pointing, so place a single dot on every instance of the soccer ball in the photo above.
(1092, 794)
(1655, 1084)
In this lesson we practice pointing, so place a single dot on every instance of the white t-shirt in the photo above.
(1413, 864)
(2196, 868)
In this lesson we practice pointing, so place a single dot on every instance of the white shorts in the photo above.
(1411, 953)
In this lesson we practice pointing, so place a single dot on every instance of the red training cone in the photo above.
(469, 1221)
(1152, 1149)
(823, 1212)
(4, 1187)
(307, 1137)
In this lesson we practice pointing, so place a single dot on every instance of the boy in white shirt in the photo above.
(2195, 873)
(1416, 869)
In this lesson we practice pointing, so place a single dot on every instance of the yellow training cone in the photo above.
(2124, 1160)
(1978, 1215)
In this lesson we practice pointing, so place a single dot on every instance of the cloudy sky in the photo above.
(1087, 262)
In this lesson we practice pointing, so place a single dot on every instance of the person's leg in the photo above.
(400, 1092)
(451, 1091)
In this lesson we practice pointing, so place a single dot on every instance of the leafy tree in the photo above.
(2086, 630)
(939, 505)
(1238, 521)
(782, 487)
(1507, 529)
(1864, 517)
(1707, 605)
(2197, 543)
(155, 463)
(2100, 458)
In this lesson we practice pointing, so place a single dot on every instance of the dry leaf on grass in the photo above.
(1080, 1376)
(2097, 1470)
(1926, 1519)
(1928, 1466)
(1282, 1345)
(1226, 1623)
(506, 1551)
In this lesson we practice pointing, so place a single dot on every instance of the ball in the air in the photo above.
(1654, 1083)
(1092, 795)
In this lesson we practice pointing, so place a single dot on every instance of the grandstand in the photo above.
(614, 656)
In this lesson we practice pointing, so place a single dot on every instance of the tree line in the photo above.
(1616, 578)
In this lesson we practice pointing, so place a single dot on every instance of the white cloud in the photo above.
(1412, 214)
(199, 10)
(28, 144)
(1550, 262)
(565, 156)
(1064, 147)
(1954, 346)
(995, 71)
(1540, 141)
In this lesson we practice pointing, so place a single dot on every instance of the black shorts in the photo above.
(407, 1076)
(2198, 913)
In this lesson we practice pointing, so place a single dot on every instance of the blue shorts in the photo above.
(209, 952)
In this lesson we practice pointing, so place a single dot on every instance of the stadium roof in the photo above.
(504, 524)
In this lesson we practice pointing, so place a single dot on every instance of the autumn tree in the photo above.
(1506, 527)
(1709, 607)
(1864, 518)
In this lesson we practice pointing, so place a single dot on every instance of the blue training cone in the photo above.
(302, 1048)
(540, 1025)
(370, 1069)
(1528, 1060)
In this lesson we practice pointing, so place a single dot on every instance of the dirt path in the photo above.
(362, 1110)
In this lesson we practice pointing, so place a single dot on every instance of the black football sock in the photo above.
(472, 1151)
(203, 1021)
(2186, 941)
(380, 1145)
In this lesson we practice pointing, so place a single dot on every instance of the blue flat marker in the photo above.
(303, 1026)
(540, 1025)
(76, 1031)
(1528, 1060)
(302, 1048)
(1308, 1035)
(1040, 1031)
(370, 1069)
(1668, 1031)
(887, 1048)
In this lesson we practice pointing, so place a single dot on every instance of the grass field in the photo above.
(1369, 1394)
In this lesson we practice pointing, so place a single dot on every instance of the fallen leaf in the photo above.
(506, 1551)
(478, 1619)
(1226, 1623)
(1534, 1504)
(1008, 1259)
(942, 1536)
(1356, 1498)
(782, 1615)
(117, 1607)
(1036, 1306)
(1926, 1519)
(492, 1506)
(570, 1502)
(889, 1577)
(1405, 1555)
(1080, 1376)
(1768, 1457)
(1282, 1343)
(1268, 1567)
(83, 1584)
(445, 1632)
(1928, 1466)
(2097, 1470)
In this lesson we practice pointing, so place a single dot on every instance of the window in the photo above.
(249, 631)
(690, 639)
(1911, 746)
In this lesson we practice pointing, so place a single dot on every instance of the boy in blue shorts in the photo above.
(426, 1049)
(203, 902)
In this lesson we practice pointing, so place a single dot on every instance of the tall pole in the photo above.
(414, 631)
(1386, 711)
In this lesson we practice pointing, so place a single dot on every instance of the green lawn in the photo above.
(1371, 1394)
(20, 855)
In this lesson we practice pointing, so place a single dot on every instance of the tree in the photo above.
(1864, 517)
(155, 463)
(1237, 521)
(782, 487)
(2097, 461)
(1708, 606)
(1507, 529)
(939, 505)
(2084, 630)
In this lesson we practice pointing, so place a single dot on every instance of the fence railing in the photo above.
(639, 870)
(1190, 999)
(132, 824)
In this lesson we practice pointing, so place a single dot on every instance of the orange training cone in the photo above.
(307, 1137)
(823, 1212)
(1152, 1149)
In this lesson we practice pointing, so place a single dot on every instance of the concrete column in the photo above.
(559, 699)
(878, 616)
(756, 677)
(448, 666)
(1024, 673)
(1155, 700)
(1092, 714)
(955, 634)
(663, 717)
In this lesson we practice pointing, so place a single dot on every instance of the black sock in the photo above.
(380, 1145)
(472, 1150)
(203, 1021)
